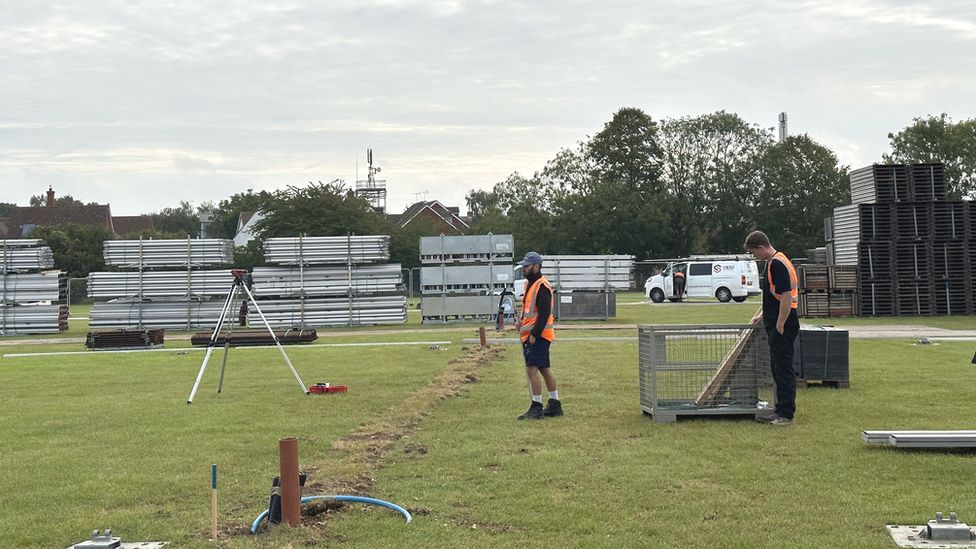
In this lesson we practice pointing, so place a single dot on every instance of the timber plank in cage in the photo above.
(813, 304)
(703, 370)
(813, 277)
(843, 277)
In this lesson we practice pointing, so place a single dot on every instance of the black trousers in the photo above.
(781, 364)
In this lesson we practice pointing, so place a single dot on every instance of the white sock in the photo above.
(537, 398)
(554, 395)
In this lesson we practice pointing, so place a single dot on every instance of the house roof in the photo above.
(128, 224)
(98, 216)
(438, 209)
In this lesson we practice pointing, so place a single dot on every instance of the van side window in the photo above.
(700, 269)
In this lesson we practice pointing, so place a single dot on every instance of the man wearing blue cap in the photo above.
(537, 334)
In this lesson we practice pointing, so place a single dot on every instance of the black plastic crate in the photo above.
(913, 220)
(928, 182)
(876, 221)
(952, 296)
(914, 298)
(950, 259)
(913, 260)
(881, 183)
(875, 259)
(876, 298)
(949, 220)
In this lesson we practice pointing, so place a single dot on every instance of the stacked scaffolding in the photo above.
(30, 292)
(913, 247)
(155, 295)
(586, 285)
(330, 281)
(461, 276)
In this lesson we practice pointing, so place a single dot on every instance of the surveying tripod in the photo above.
(242, 281)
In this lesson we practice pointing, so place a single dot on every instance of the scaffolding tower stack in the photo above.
(30, 290)
(461, 276)
(586, 286)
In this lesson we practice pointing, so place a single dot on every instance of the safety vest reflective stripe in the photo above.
(794, 291)
(530, 312)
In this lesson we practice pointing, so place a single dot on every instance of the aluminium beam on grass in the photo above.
(23, 258)
(589, 272)
(327, 280)
(928, 440)
(883, 437)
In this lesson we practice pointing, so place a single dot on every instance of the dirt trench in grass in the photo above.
(360, 454)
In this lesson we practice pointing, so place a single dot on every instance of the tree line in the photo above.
(642, 187)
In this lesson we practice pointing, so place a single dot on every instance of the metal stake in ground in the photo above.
(241, 282)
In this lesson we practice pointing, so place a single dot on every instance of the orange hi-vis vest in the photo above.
(780, 256)
(530, 312)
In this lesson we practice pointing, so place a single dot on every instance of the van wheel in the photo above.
(723, 294)
(740, 299)
(657, 295)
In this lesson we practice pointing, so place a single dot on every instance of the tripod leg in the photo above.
(230, 332)
(275, 338)
(210, 345)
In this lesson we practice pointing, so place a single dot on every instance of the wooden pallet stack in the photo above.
(827, 291)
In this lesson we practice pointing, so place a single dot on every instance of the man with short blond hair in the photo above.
(778, 314)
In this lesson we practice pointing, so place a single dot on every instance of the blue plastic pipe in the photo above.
(354, 499)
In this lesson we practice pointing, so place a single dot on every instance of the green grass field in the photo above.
(101, 440)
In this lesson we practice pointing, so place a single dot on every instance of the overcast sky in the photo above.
(144, 104)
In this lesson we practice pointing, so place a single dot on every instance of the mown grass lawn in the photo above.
(106, 440)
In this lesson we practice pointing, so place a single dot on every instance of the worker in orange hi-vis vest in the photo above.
(537, 334)
(778, 314)
(679, 283)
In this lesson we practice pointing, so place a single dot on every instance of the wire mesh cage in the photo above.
(703, 370)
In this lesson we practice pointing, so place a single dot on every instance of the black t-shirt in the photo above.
(781, 279)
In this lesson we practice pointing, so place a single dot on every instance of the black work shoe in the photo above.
(766, 417)
(534, 411)
(553, 408)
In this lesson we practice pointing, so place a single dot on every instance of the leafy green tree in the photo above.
(939, 139)
(153, 234)
(63, 200)
(250, 255)
(77, 249)
(182, 220)
(225, 216)
(319, 209)
(802, 183)
(713, 163)
(5, 208)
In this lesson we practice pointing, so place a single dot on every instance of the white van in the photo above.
(726, 278)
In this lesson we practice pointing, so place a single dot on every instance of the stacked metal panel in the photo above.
(156, 284)
(822, 353)
(148, 296)
(912, 245)
(589, 272)
(27, 291)
(330, 281)
(354, 293)
(462, 275)
(33, 319)
(32, 287)
(191, 252)
(585, 285)
(317, 250)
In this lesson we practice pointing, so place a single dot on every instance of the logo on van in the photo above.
(717, 268)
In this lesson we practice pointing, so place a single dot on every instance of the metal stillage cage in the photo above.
(703, 370)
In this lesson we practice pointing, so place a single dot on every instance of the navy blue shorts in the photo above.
(538, 354)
